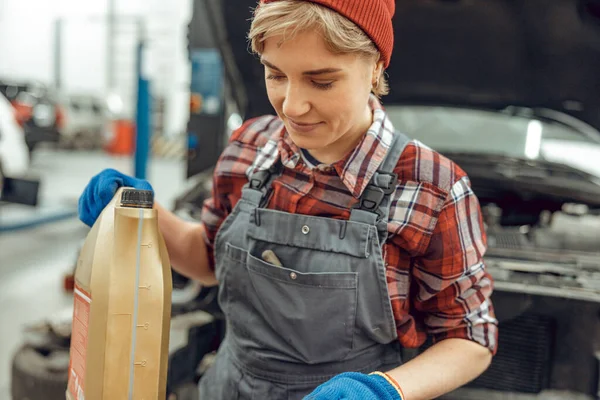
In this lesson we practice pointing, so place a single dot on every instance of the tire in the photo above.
(39, 375)
(31, 147)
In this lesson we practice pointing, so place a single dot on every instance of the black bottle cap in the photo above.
(137, 198)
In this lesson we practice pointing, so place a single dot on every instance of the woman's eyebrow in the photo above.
(322, 71)
(268, 64)
(313, 72)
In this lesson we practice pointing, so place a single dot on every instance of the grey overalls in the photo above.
(324, 312)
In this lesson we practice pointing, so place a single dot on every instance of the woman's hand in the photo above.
(453, 362)
(357, 386)
(100, 191)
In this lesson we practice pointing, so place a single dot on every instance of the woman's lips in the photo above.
(302, 127)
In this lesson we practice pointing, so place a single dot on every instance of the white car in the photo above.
(86, 121)
(14, 156)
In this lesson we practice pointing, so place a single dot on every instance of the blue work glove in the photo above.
(100, 191)
(355, 386)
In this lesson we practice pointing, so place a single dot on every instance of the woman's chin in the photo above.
(306, 141)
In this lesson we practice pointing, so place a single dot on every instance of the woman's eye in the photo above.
(275, 77)
(323, 85)
(316, 84)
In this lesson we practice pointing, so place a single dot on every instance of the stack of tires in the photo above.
(40, 366)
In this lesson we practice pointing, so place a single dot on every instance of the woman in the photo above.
(335, 241)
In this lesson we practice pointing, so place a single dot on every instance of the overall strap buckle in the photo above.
(371, 200)
(386, 181)
(259, 179)
(383, 184)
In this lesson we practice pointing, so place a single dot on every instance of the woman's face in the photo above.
(321, 97)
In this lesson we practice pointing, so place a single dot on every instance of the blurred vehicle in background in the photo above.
(14, 157)
(86, 121)
(16, 186)
(38, 111)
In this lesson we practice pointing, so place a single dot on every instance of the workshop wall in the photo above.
(28, 48)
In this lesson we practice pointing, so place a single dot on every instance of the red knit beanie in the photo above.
(372, 16)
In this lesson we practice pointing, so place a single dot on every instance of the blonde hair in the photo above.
(289, 17)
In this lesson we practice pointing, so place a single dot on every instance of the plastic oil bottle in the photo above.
(122, 305)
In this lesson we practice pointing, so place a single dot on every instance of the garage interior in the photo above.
(154, 89)
(36, 260)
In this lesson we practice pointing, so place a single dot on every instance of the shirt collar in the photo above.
(358, 167)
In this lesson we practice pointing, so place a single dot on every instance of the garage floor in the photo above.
(33, 261)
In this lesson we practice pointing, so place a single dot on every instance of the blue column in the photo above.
(143, 119)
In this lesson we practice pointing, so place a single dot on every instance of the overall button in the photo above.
(293, 275)
(305, 229)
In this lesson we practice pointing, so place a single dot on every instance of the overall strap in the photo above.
(258, 188)
(373, 207)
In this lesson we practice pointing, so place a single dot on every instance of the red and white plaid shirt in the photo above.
(437, 280)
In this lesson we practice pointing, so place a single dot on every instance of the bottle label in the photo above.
(79, 342)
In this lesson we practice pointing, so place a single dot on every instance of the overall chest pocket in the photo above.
(310, 315)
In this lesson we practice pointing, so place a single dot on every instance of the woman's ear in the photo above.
(377, 71)
(379, 68)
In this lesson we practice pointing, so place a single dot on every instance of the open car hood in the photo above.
(534, 53)
(487, 54)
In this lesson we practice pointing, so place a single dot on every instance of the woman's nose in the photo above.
(296, 102)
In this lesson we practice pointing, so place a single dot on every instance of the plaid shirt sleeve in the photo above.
(214, 212)
(453, 288)
(228, 179)
(229, 176)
